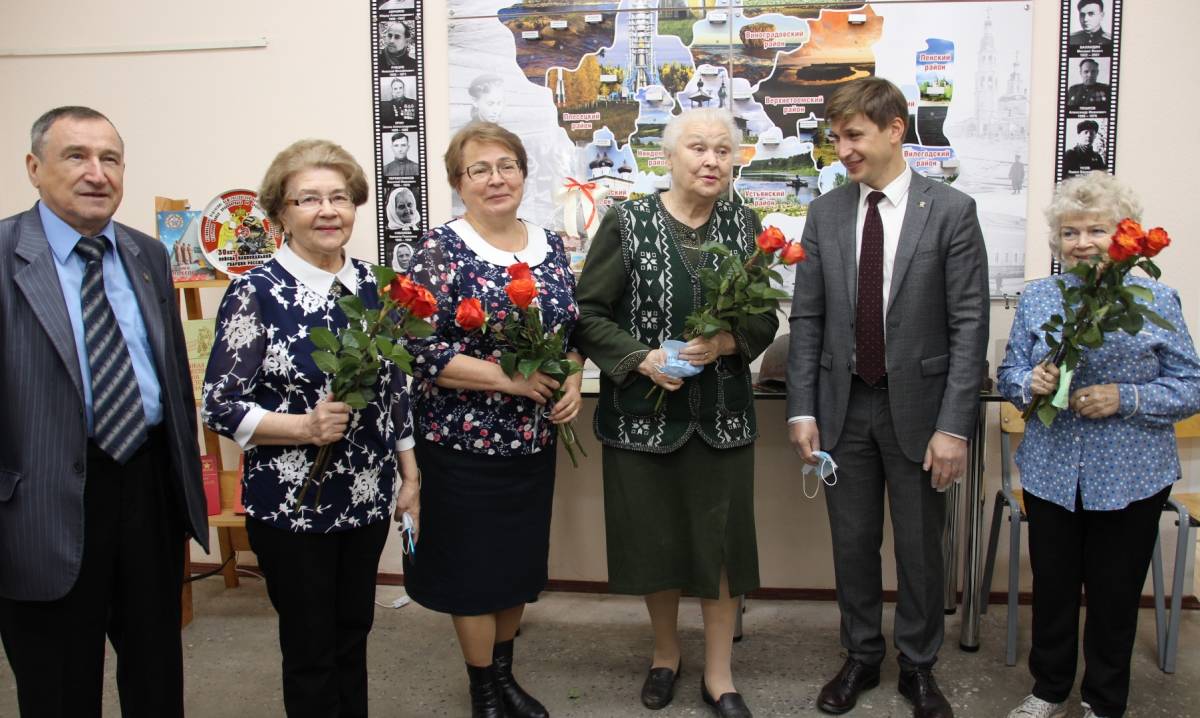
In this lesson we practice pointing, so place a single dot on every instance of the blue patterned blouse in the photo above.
(1122, 458)
(455, 263)
(261, 361)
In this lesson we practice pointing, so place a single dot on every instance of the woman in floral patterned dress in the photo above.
(486, 442)
(263, 390)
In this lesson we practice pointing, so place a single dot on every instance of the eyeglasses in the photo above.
(482, 171)
(312, 202)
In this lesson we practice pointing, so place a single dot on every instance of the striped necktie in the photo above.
(118, 419)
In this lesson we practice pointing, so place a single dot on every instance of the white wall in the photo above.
(198, 123)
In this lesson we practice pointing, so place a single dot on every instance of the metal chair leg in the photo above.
(1181, 554)
(1014, 578)
(990, 562)
(1160, 609)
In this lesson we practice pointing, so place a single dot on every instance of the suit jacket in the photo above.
(936, 328)
(43, 455)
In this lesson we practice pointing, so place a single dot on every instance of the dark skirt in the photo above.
(674, 520)
(485, 530)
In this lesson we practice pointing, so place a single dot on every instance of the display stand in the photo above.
(230, 526)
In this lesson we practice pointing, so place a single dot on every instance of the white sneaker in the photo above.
(1034, 707)
(1088, 712)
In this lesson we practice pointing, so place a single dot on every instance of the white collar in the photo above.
(895, 190)
(315, 278)
(535, 251)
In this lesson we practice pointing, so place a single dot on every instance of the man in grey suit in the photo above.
(889, 326)
(99, 467)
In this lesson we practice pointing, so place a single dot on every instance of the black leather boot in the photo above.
(518, 703)
(485, 694)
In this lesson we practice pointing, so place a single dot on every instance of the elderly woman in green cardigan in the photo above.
(678, 475)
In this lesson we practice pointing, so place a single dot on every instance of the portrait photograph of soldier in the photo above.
(399, 152)
(1090, 27)
(1088, 152)
(1088, 86)
(396, 101)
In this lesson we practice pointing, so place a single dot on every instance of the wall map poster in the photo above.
(397, 59)
(588, 85)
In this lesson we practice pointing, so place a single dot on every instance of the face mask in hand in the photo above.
(825, 468)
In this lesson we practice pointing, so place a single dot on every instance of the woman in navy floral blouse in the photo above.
(263, 390)
(486, 442)
(1096, 480)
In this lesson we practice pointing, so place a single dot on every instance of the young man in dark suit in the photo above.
(889, 326)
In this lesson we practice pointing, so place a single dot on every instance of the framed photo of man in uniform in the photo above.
(1089, 149)
(399, 151)
(1087, 83)
(397, 101)
(1091, 27)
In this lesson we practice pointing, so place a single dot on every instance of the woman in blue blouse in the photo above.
(263, 390)
(1096, 480)
(486, 442)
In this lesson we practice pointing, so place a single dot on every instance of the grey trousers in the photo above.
(869, 459)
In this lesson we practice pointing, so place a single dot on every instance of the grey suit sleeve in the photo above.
(807, 323)
(967, 323)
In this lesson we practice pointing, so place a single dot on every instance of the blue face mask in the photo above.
(824, 468)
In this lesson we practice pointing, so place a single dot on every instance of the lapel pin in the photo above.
(146, 275)
(921, 204)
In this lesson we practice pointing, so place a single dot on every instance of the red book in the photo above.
(210, 470)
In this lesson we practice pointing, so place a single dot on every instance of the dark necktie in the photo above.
(868, 324)
(118, 419)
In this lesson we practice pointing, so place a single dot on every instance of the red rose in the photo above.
(521, 291)
(520, 270)
(424, 304)
(771, 240)
(470, 314)
(1126, 241)
(402, 290)
(1156, 240)
(793, 253)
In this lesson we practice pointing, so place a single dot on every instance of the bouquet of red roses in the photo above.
(530, 348)
(354, 355)
(1100, 304)
(738, 289)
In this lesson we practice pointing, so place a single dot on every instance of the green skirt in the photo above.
(674, 520)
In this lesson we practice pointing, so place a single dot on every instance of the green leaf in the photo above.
(1156, 319)
(1141, 293)
(1091, 337)
(384, 345)
(1132, 322)
(527, 367)
(1047, 413)
(352, 307)
(417, 328)
(355, 339)
(356, 400)
(716, 248)
(508, 362)
(348, 363)
(1150, 268)
(383, 275)
(322, 338)
(554, 368)
(325, 361)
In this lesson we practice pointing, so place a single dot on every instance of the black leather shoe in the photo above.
(730, 705)
(840, 694)
(485, 695)
(919, 687)
(517, 702)
(659, 688)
